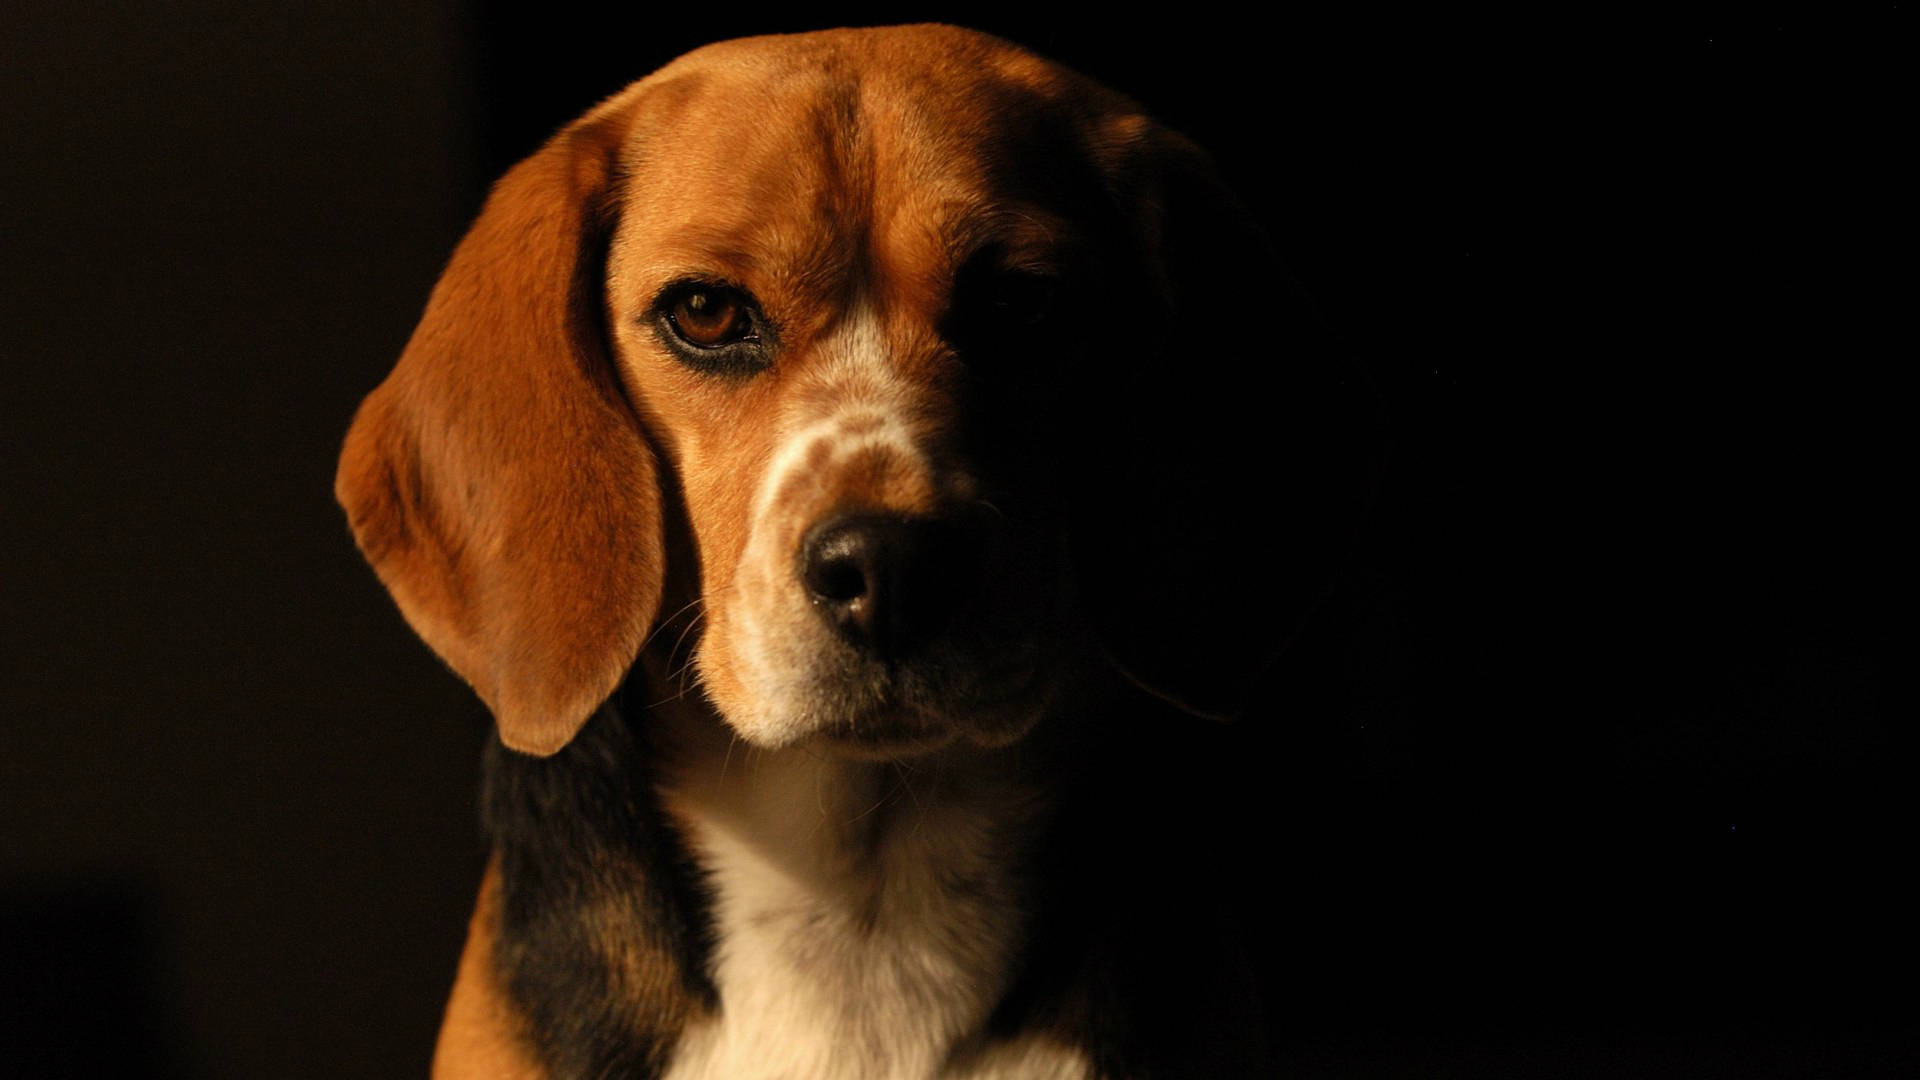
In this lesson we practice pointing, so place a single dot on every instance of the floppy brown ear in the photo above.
(1245, 441)
(497, 480)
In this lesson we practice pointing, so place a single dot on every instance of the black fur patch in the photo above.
(604, 933)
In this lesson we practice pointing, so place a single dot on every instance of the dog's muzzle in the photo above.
(888, 584)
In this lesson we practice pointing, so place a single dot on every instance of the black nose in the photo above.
(886, 582)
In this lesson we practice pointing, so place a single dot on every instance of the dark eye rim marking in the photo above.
(1000, 301)
(1021, 297)
(745, 351)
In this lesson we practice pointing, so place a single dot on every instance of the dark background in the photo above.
(1587, 769)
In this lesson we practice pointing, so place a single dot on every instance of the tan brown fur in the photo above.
(518, 480)
(480, 1035)
(536, 584)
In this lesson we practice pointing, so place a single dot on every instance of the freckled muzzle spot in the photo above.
(863, 462)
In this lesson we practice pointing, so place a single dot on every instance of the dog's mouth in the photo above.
(885, 739)
(894, 711)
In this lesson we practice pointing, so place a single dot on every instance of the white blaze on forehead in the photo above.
(854, 404)
(866, 408)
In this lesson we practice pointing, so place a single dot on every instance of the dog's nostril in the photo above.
(836, 577)
(886, 582)
(842, 564)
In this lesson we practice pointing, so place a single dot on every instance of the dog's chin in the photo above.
(857, 724)
(824, 697)
(894, 734)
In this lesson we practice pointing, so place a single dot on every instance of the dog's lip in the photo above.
(887, 741)
(899, 731)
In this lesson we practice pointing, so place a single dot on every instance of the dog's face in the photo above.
(890, 314)
(840, 310)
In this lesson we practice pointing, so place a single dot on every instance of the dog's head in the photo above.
(959, 371)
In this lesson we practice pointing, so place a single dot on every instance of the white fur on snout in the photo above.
(848, 431)
(779, 644)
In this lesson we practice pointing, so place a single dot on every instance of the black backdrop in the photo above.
(1585, 771)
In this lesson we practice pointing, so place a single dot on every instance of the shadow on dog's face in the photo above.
(962, 375)
(860, 320)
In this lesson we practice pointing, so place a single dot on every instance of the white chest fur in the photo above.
(867, 918)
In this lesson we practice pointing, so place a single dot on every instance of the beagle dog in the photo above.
(845, 464)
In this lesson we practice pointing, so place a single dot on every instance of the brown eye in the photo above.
(713, 328)
(710, 316)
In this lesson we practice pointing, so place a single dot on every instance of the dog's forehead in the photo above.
(803, 154)
(935, 84)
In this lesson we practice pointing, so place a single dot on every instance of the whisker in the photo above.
(684, 686)
(878, 803)
(906, 784)
(692, 624)
(664, 623)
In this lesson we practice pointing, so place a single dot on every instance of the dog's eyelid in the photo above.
(999, 262)
(686, 284)
(736, 340)
(1008, 294)
(1025, 269)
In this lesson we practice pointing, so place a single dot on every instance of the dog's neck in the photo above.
(868, 914)
(865, 831)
